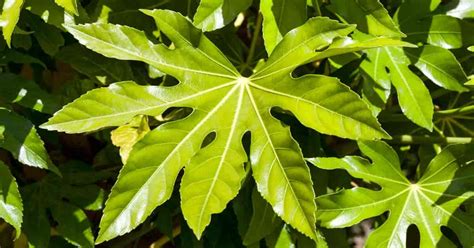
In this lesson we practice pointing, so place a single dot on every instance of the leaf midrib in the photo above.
(270, 142)
(405, 82)
(144, 59)
(224, 154)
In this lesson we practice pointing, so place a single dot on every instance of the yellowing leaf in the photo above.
(127, 135)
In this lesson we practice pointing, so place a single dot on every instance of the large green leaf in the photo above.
(15, 89)
(370, 16)
(224, 103)
(279, 17)
(430, 203)
(11, 206)
(9, 18)
(215, 14)
(64, 203)
(22, 140)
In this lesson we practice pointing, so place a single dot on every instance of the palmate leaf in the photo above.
(224, 103)
(430, 203)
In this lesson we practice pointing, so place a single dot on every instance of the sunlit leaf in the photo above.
(224, 103)
(429, 203)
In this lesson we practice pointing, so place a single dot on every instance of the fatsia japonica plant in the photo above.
(220, 123)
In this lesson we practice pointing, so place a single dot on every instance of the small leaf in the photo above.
(440, 66)
(126, 136)
(11, 206)
(279, 17)
(9, 18)
(431, 202)
(215, 14)
(15, 89)
(73, 224)
(69, 5)
(49, 37)
(263, 222)
(22, 140)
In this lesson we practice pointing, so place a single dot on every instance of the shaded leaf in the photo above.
(16, 89)
(11, 206)
(95, 66)
(263, 222)
(126, 136)
(22, 140)
(73, 224)
(69, 5)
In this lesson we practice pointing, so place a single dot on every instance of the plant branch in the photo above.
(253, 43)
(317, 8)
(456, 111)
(412, 139)
(165, 239)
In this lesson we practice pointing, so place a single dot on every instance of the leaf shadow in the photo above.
(460, 225)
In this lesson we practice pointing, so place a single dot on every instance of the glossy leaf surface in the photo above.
(431, 202)
(233, 106)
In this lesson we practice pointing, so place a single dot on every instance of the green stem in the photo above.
(456, 111)
(317, 8)
(165, 239)
(253, 43)
(411, 139)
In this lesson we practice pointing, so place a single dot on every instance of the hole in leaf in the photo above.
(208, 139)
(169, 81)
(451, 235)
(413, 237)
(174, 113)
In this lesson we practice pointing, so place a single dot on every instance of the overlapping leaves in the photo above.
(224, 103)
(430, 203)
(391, 65)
